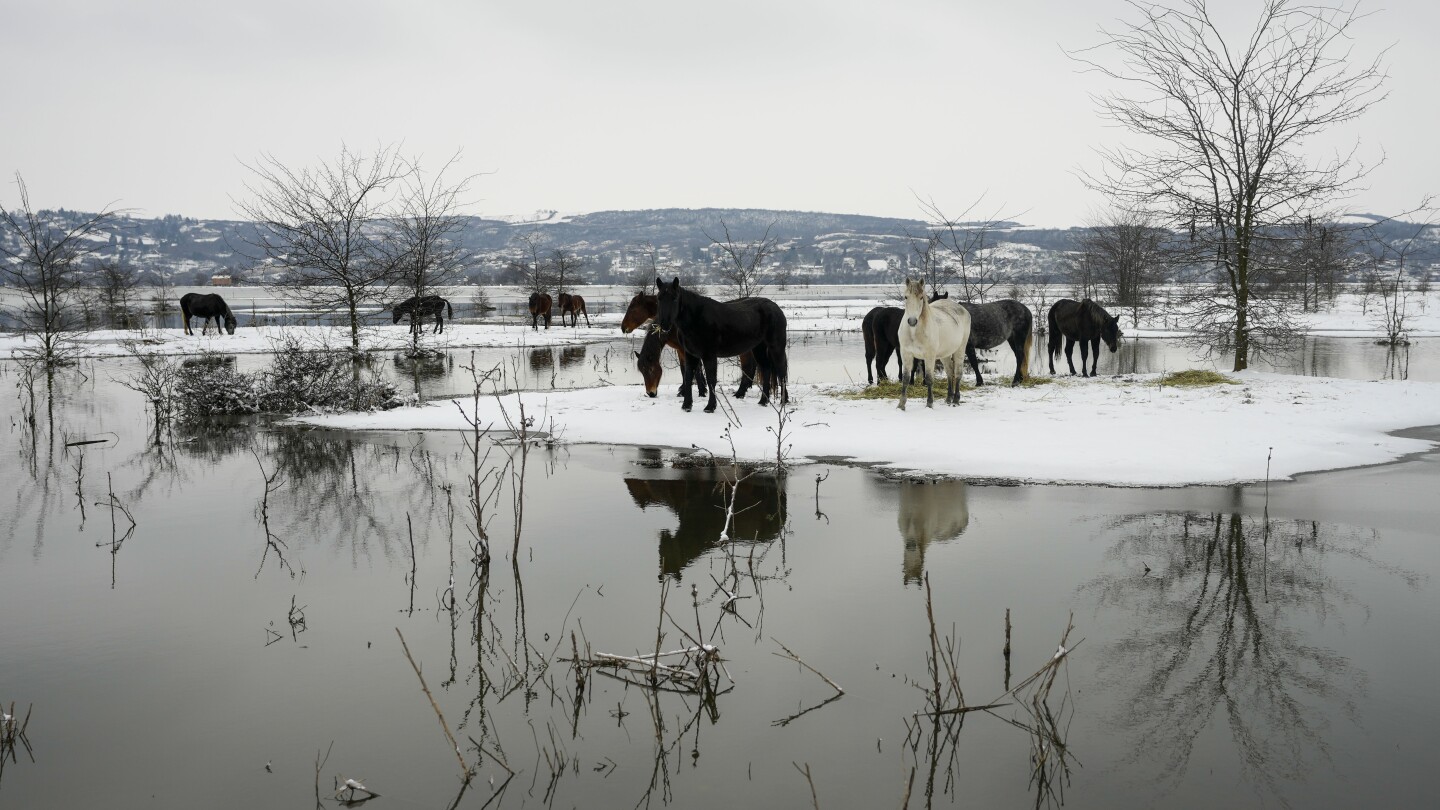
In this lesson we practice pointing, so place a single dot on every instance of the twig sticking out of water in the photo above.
(466, 772)
(805, 771)
(793, 657)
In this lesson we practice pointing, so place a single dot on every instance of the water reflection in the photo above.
(571, 356)
(541, 359)
(1222, 598)
(930, 512)
(699, 497)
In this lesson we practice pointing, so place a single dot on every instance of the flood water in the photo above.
(1229, 646)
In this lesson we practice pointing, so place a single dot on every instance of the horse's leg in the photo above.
(692, 366)
(1084, 356)
(1017, 345)
(711, 373)
(904, 389)
(747, 372)
(1094, 352)
(953, 369)
(763, 364)
(587, 317)
(1070, 353)
(974, 364)
(929, 381)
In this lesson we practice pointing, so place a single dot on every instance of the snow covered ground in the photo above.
(1126, 431)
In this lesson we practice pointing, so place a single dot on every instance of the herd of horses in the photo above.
(929, 330)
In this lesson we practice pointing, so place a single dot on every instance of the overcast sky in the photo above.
(587, 105)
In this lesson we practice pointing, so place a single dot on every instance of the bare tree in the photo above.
(1227, 119)
(564, 268)
(742, 266)
(1125, 255)
(1387, 265)
(966, 251)
(424, 251)
(528, 265)
(1322, 255)
(116, 293)
(322, 227)
(40, 256)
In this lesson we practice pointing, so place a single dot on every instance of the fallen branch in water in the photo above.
(466, 772)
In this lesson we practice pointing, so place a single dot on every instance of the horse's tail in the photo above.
(1054, 337)
(1025, 358)
(449, 311)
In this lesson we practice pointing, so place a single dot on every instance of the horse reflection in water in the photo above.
(572, 356)
(929, 513)
(542, 359)
(699, 497)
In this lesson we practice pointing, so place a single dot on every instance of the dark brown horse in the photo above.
(539, 308)
(210, 306)
(574, 306)
(642, 310)
(1086, 322)
(647, 360)
(710, 329)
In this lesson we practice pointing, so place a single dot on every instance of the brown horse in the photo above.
(574, 306)
(643, 309)
(539, 308)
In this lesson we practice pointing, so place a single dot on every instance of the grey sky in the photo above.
(576, 105)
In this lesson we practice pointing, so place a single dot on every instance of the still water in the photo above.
(1229, 647)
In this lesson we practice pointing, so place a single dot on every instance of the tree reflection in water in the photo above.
(1220, 599)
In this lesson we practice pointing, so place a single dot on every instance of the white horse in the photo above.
(930, 331)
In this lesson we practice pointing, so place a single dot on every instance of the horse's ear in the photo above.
(659, 285)
(637, 355)
(676, 283)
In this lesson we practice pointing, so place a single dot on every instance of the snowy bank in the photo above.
(1127, 431)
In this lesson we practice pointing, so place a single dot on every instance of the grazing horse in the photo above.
(881, 329)
(208, 306)
(709, 329)
(647, 360)
(933, 331)
(574, 306)
(643, 309)
(1007, 321)
(421, 307)
(539, 308)
(1086, 322)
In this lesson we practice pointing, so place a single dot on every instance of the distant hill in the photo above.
(825, 246)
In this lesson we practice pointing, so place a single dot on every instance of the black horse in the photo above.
(647, 360)
(421, 307)
(208, 306)
(1086, 322)
(709, 330)
(1007, 321)
(881, 329)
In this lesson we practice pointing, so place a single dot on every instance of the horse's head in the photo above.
(1110, 332)
(647, 360)
(914, 300)
(667, 304)
(229, 323)
(641, 309)
(397, 315)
